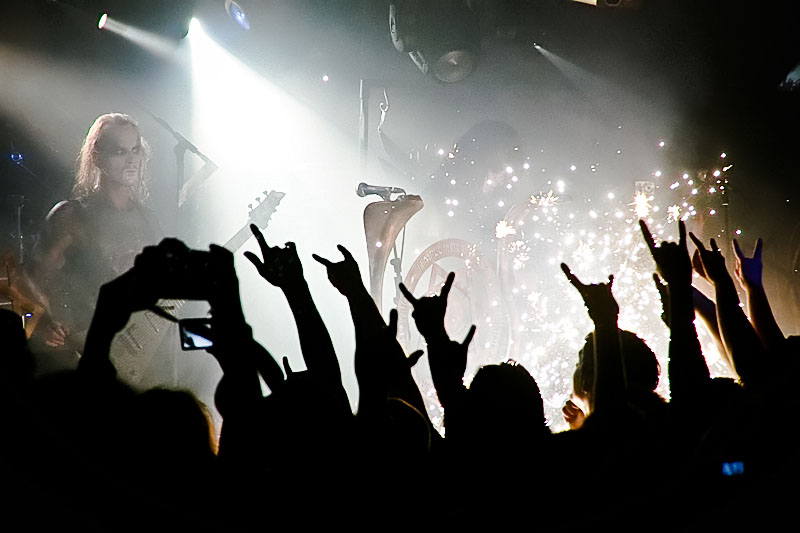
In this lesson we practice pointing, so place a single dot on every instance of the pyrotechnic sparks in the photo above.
(597, 236)
(504, 229)
(673, 213)
(544, 200)
(641, 205)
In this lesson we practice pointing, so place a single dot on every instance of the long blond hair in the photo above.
(87, 169)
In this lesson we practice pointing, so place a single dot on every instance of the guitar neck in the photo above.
(236, 242)
(259, 216)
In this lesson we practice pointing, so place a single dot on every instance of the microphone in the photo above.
(383, 191)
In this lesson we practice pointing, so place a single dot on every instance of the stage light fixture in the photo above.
(194, 26)
(441, 37)
(236, 12)
(625, 4)
(155, 43)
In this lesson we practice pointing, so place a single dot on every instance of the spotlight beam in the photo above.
(152, 42)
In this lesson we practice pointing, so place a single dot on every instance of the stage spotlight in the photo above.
(454, 65)
(626, 4)
(194, 26)
(236, 12)
(153, 42)
(441, 37)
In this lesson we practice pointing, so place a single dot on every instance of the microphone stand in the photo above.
(183, 145)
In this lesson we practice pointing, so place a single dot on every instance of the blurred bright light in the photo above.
(263, 138)
(102, 22)
(263, 119)
(194, 26)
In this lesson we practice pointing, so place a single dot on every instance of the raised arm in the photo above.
(381, 366)
(238, 396)
(116, 301)
(738, 336)
(609, 388)
(282, 268)
(688, 371)
(748, 272)
(447, 358)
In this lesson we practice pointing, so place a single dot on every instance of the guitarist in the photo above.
(95, 236)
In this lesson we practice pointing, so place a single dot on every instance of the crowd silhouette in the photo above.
(84, 450)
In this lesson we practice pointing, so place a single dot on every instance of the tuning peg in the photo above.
(258, 199)
(250, 207)
(266, 194)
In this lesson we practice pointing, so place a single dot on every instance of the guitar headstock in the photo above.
(262, 212)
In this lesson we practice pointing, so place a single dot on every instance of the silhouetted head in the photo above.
(406, 432)
(505, 400)
(641, 366)
(178, 428)
(312, 419)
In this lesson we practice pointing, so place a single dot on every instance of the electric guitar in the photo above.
(134, 346)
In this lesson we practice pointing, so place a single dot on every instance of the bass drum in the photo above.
(475, 298)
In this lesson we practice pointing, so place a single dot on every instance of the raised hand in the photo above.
(598, 298)
(429, 311)
(343, 275)
(448, 362)
(573, 415)
(748, 270)
(672, 259)
(697, 266)
(713, 262)
(608, 389)
(414, 357)
(279, 266)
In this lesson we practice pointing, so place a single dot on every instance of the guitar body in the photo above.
(133, 348)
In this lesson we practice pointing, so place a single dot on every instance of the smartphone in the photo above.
(195, 333)
(733, 468)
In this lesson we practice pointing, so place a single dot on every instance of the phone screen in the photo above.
(195, 333)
